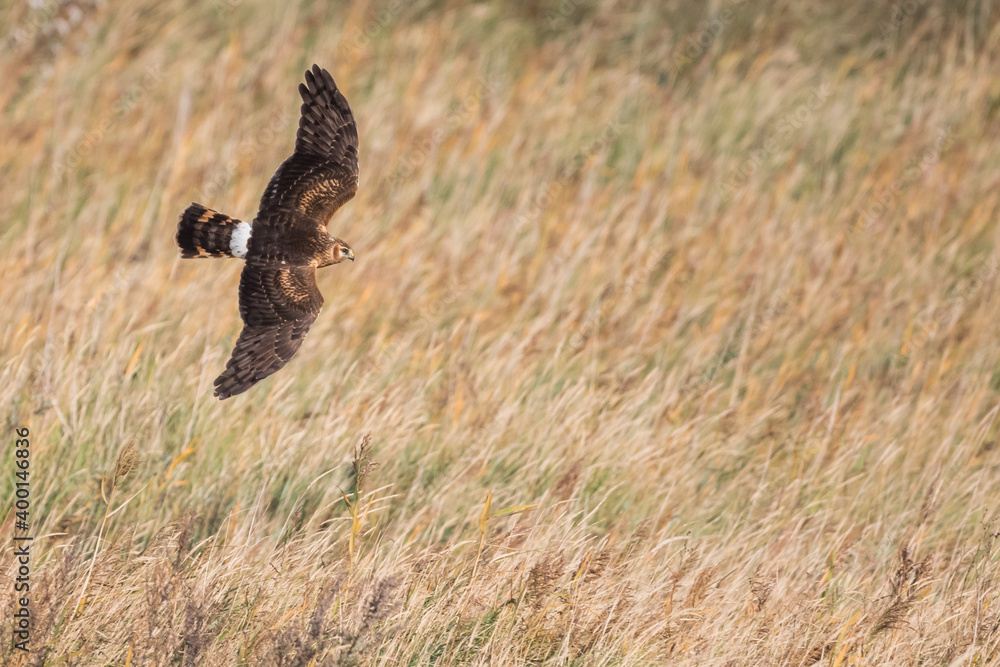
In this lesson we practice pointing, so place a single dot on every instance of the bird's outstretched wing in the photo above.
(322, 174)
(278, 304)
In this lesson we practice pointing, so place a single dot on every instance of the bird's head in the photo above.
(339, 251)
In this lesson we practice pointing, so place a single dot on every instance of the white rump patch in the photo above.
(238, 241)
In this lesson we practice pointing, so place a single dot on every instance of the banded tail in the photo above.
(202, 232)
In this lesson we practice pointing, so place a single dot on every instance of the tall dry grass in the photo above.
(713, 288)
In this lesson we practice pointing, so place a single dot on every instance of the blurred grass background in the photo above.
(712, 286)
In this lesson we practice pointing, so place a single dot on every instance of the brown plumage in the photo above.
(288, 240)
(202, 232)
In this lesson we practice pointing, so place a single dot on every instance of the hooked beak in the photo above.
(350, 254)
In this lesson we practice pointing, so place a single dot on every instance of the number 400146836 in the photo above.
(22, 463)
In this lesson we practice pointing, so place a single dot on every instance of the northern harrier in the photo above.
(288, 239)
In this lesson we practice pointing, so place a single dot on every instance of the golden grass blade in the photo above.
(484, 517)
(515, 510)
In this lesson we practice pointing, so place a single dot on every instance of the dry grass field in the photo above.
(672, 336)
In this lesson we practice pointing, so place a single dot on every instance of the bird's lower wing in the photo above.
(278, 304)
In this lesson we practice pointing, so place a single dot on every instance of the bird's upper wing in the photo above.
(322, 174)
(278, 304)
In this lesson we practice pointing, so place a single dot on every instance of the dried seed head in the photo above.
(700, 586)
(380, 602)
(904, 591)
(597, 565)
(567, 483)
(127, 461)
(761, 585)
(542, 578)
(363, 461)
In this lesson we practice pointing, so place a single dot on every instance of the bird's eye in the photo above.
(343, 251)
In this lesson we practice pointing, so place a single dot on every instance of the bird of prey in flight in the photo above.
(288, 239)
